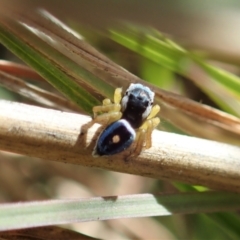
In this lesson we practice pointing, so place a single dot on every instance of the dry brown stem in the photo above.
(67, 137)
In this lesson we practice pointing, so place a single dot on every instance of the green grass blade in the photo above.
(228, 222)
(48, 69)
(227, 79)
(22, 215)
(169, 55)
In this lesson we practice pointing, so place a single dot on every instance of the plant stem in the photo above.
(67, 137)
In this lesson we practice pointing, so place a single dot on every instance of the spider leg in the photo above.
(139, 142)
(105, 109)
(109, 112)
(154, 111)
(117, 95)
(151, 124)
(106, 101)
(144, 133)
(107, 118)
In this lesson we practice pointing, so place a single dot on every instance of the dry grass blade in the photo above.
(70, 44)
(36, 94)
(50, 63)
(223, 96)
(227, 127)
(19, 70)
(71, 138)
(204, 129)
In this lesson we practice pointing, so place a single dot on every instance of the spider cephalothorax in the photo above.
(129, 118)
(137, 104)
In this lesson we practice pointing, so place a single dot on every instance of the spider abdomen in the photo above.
(115, 138)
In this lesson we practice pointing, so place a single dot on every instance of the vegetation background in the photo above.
(205, 31)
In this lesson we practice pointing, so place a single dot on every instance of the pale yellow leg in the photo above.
(106, 101)
(148, 126)
(106, 109)
(152, 123)
(111, 111)
(107, 118)
(117, 95)
(139, 142)
(154, 111)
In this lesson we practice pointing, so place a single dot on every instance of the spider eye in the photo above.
(146, 103)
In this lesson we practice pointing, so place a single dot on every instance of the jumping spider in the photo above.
(129, 118)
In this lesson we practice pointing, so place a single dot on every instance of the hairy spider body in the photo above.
(129, 118)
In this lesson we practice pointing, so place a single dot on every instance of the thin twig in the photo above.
(68, 137)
